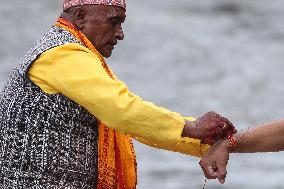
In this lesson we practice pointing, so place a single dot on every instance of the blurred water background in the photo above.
(191, 57)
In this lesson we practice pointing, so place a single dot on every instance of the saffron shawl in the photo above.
(116, 159)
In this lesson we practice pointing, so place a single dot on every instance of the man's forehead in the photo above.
(108, 11)
(116, 11)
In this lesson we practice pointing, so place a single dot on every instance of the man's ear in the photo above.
(79, 17)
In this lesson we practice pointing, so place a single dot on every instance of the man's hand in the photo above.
(214, 163)
(209, 128)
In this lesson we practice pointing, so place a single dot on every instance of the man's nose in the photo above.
(120, 34)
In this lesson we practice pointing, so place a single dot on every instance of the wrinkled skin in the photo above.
(209, 128)
(101, 24)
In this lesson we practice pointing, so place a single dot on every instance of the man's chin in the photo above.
(106, 54)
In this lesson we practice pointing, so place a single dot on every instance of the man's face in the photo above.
(103, 27)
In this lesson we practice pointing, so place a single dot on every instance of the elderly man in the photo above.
(67, 121)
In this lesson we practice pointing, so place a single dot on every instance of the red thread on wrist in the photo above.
(233, 142)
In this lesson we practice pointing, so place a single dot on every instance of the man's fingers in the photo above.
(214, 163)
(219, 130)
(222, 171)
(231, 127)
(213, 127)
(210, 173)
(208, 170)
(222, 176)
(211, 114)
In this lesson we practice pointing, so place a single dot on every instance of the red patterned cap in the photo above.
(71, 3)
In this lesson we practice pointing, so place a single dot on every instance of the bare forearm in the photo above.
(264, 138)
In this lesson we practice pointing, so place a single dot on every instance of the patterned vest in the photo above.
(46, 141)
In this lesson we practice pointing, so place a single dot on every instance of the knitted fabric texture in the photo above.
(71, 3)
(47, 141)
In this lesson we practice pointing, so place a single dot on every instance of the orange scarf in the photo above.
(117, 160)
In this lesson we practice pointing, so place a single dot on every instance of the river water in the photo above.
(191, 57)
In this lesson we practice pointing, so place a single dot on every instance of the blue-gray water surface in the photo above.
(191, 57)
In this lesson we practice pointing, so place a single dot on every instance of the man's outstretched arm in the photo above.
(77, 73)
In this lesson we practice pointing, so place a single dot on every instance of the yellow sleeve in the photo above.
(184, 145)
(76, 72)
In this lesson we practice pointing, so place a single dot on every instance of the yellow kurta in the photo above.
(77, 73)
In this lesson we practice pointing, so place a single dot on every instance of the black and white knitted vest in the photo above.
(46, 141)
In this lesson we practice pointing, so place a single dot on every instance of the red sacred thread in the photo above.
(233, 142)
